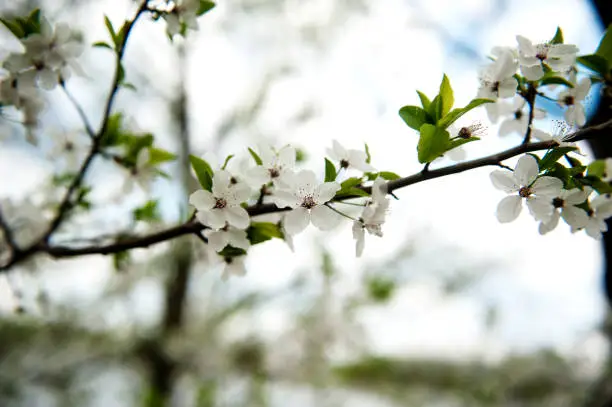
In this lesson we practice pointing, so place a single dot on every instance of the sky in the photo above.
(355, 77)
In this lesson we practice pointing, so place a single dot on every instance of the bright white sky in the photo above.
(546, 289)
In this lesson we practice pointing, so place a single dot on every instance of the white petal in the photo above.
(306, 182)
(576, 196)
(509, 209)
(297, 220)
(286, 157)
(540, 135)
(238, 238)
(547, 186)
(215, 218)
(202, 200)
(324, 218)
(504, 180)
(284, 198)
(221, 181)
(340, 152)
(216, 239)
(541, 208)
(359, 236)
(552, 223)
(575, 217)
(237, 216)
(532, 73)
(526, 170)
(325, 192)
(507, 88)
(525, 45)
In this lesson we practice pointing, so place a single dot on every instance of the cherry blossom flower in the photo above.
(142, 173)
(307, 198)
(69, 147)
(601, 209)
(561, 132)
(277, 164)
(496, 79)
(222, 205)
(571, 98)
(372, 217)
(519, 117)
(565, 207)
(349, 158)
(524, 182)
(183, 13)
(559, 57)
(218, 239)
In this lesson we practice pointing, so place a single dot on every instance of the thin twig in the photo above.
(530, 98)
(88, 128)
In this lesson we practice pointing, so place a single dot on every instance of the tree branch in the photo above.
(88, 128)
(194, 227)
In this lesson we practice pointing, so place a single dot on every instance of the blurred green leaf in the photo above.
(330, 171)
(255, 157)
(261, 231)
(203, 171)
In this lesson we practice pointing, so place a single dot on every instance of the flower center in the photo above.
(344, 164)
(525, 192)
(274, 172)
(542, 51)
(465, 132)
(308, 202)
(221, 203)
(558, 202)
(495, 87)
(518, 114)
(568, 100)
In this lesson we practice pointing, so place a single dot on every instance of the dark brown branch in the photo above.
(530, 97)
(193, 227)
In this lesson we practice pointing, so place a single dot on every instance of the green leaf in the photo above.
(111, 30)
(435, 110)
(227, 160)
(112, 135)
(147, 213)
(595, 63)
(129, 86)
(552, 156)
(203, 171)
(205, 7)
(555, 80)
(255, 157)
(558, 38)
(352, 192)
(13, 27)
(414, 116)
(368, 156)
(120, 74)
(231, 251)
(102, 44)
(389, 176)
(455, 114)
(604, 49)
(350, 183)
(425, 102)
(261, 231)
(432, 144)
(460, 141)
(158, 156)
(597, 168)
(447, 98)
(330, 171)
(121, 260)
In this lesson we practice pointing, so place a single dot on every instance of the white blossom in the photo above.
(496, 79)
(572, 98)
(372, 217)
(142, 173)
(519, 117)
(349, 158)
(234, 266)
(218, 239)
(184, 12)
(275, 166)
(222, 205)
(523, 182)
(601, 209)
(307, 197)
(69, 147)
(559, 57)
(565, 207)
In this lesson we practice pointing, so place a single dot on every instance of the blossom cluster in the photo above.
(48, 57)
(272, 178)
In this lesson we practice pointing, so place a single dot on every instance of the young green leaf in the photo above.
(350, 183)
(425, 102)
(604, 49)
(147, 213)
(203, 171)
(159, 156)
(595, 63)
(205, 7)
(551, 79)
(111, 30)
(558, 38)
(447, 99)
(460, 141)
(432, 144)
(368, 156)
(255, 157)
(102, 44)
(351, 192)
(414, 116)
(597, 168)
(261, 231)
(13, 27)
(389, 176)
(552, 156)
(455, 114)
(330, 171)
(227, 160)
